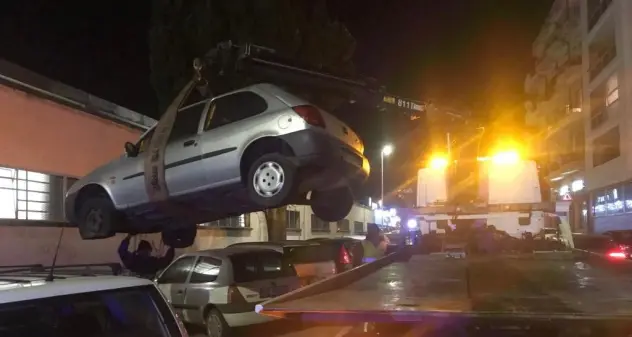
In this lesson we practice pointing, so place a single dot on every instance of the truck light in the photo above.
(438, 163)
(506, 158)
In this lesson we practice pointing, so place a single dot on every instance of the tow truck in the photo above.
(519, 291)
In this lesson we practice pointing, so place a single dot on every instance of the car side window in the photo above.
(206, 270)
(245, 267)
(178, 271)
(233, 108)
(187, 121)
(144, 142)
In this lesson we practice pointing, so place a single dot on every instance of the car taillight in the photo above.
(310, 114)
(234, 295)
(344, 256)
(616, 254)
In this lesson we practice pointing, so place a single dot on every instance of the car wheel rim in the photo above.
(268, 179)
(94, 219)
(214, 327)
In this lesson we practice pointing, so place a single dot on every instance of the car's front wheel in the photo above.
(180, 237)
(97, 217)
(332, 205)
(271, 180)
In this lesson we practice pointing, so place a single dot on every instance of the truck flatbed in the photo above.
(534, 286)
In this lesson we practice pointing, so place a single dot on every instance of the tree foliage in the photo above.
(182, 30)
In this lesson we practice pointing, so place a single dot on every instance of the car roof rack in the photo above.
(92, 269)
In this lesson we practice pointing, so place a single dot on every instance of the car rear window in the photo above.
(138, 311)
(257, 266)
(322, 252)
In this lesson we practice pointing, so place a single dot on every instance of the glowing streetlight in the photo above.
(438, 163)
(387, 150)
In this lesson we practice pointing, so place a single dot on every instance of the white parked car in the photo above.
(80, 303)
(219, 288)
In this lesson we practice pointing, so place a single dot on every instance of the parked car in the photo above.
(342, 251)
(82, 301)
(600, 244)
(312, 261)
(219, 288)
(244, 151)
(623, 238)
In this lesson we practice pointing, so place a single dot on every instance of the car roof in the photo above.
(24, 287)
(280, 244)
(221, 253)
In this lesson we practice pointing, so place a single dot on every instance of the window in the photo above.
(137, 311)
(601, 53)
(595, 9)
(627, 194)
(599, 203)
(603, 97)
(273, 266)
(144, 141)
(178, 271)
(245, 267)
(343, 225)
(606, 147)
(187, 122)
(358, 227)
(26, 195)
(235, 107)
(232, 222)
(319, 225)
(614, 200)
(206, 270)
(293, 219)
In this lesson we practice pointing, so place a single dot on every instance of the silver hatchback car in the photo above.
(251, 149)
(219, 288)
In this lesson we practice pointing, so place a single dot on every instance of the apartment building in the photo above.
(554, 109)
(607, 75)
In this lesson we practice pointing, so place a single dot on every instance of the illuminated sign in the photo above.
(403, 103)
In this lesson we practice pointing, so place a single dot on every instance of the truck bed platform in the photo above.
(555, 286)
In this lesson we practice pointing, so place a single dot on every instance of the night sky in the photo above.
(466, 53)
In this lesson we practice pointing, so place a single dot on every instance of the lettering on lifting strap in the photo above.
(154, 166)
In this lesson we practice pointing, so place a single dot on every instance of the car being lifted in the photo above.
(245, 150)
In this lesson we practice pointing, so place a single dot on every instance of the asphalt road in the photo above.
(284, 328)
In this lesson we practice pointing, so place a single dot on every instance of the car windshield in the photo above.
(130, 312)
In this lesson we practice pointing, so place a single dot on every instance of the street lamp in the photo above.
(386, 151)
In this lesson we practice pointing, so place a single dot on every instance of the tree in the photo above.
(182, 30)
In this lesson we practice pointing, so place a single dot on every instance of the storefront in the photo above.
(572, 200)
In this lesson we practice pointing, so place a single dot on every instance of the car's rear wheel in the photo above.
(216, 325)
(271, 180)
(332, 205)
(180, 237)
(97, 217)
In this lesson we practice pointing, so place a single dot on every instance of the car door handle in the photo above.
(180, 292)
(189, 143)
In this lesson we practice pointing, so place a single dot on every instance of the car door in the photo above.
(223, 136)
(201, 288)
(172, 282)
(128, 187)
(184, 172)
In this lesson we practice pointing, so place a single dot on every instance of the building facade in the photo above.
(555, 109)
(607, 78)
(597, 180)
(52, 135)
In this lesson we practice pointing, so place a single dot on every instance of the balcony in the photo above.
(596, 8)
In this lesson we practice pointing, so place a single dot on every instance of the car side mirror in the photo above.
(131, 150)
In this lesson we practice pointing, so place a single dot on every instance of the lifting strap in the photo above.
(154, 165)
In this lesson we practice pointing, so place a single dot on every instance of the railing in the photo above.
(595, 13)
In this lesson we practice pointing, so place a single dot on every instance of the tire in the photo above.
(180, 237)
(97, 218)
(215, 325)
(332, 205)
(271, 180)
